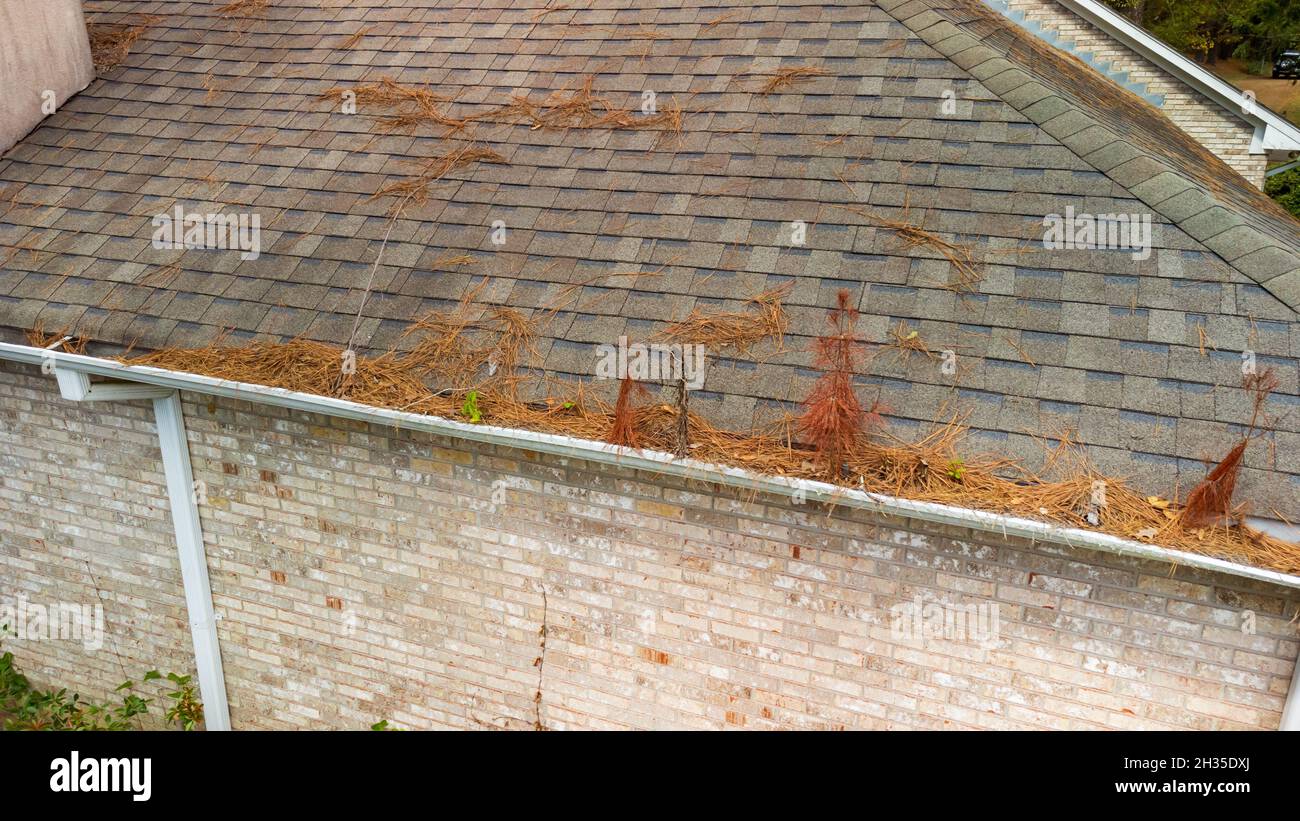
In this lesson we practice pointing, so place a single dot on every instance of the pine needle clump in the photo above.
(834, 418)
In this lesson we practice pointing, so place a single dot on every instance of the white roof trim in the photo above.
(1279, 133)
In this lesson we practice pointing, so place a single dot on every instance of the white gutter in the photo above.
(652, 461)
(75, 386)
(1279, 133)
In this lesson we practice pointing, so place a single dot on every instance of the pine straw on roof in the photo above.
(1065, 492)
(241, 7)
(564, 109)
(160, 276)
(765, 318)
(301, 365)
(414, 190)
(110, 43)
(470, 346)
(965, 267)
(719, 20)
(908, 341)
(451, 260)
(787, 77)
(355, 38)
(1211, 500)
(38, 338)
(580, 108)
(412, 106)
(549, 10)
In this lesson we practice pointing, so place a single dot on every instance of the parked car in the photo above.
(1287, 65)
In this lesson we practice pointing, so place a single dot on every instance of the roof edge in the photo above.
(563, 446)
(1190, 206)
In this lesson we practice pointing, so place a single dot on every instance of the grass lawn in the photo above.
(1283, 96)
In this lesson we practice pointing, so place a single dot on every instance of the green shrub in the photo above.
(1285, 188)
(23, 707)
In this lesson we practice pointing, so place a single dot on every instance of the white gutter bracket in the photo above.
(75, 386)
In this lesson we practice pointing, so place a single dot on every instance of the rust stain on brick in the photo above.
(735, 718)
(334, 602)
(229, 468)
(267, 476)
(277, 576)
(657, 656)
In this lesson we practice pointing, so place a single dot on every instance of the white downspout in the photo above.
(1291, 712)
(76, 386)
(194, 563)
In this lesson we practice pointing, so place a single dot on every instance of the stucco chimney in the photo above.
(44, 60)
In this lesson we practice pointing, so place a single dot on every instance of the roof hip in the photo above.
(1154, 160)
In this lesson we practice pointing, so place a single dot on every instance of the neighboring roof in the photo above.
(1121, 135)
(1279, 133)
(1142, 359)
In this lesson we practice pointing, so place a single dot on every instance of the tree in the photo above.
(1267, 27)
(1285, 188)
(833, 417)
(1135, 10)
(1205, 28)
(1253, 30)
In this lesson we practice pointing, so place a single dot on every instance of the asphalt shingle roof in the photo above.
(1141, 358)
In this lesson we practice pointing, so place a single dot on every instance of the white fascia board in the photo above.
(1276, 139)
(651, 461)
(1279, 133)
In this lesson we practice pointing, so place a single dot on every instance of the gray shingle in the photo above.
(710, 219)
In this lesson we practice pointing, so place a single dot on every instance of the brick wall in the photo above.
(1222, 132)
(84, 521)
(364, 573)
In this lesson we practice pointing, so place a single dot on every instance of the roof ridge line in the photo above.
(1187, 204)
